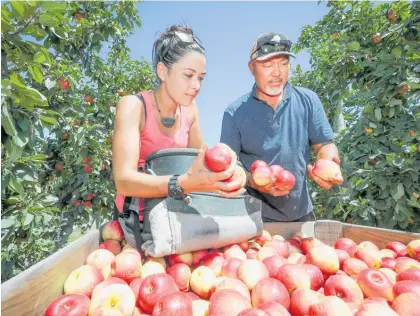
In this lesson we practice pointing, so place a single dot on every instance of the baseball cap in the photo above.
(271, 44)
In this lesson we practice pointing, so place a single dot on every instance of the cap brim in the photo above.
(265, 57)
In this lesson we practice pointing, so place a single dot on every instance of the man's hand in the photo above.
(269, 188)
(337, 179)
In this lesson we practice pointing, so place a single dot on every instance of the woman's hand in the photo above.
(228, 183)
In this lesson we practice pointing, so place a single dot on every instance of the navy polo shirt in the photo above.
(254, 130)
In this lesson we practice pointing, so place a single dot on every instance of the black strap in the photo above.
(137, 234)
(144, 105)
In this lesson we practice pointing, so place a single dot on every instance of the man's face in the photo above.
(271, 75)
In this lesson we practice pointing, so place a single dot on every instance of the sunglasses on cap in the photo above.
(272, 47)
(184, 37)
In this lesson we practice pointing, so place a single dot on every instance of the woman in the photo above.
(166, 118)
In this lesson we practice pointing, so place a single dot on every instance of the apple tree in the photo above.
(365, 68)
(64, 67)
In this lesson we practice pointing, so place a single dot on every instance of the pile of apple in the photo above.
(263, 174)
(264, 276)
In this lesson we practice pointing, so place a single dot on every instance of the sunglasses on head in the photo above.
(184, 37)
(272, 47)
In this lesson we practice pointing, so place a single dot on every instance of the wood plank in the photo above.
(30, 292)
(378, 236)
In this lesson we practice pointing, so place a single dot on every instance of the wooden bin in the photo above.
(30, 292)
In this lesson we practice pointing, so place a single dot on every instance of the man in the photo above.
(279, 124)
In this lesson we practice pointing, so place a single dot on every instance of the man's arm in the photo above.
(327, 150)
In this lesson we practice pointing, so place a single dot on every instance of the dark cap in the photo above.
(271, 44)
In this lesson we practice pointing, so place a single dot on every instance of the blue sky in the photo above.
(227, 30)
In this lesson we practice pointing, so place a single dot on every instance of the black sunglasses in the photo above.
(272, 47)
(184, 37)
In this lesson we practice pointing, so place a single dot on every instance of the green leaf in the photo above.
(397, 191)
(58, 31)
(378, 114)
(21, 139)
(30, 96)
(13, 200)
(35, 158)
(6, 88)
(15, 186)
(7, 121)
(7, 223)
(39, 58)
(24, 125)
(18, 7)
(35, 31)
(36, 73)
(48, 119)
(25, 173)
(353, 46)
(48, 20)
(50, 199)
(15, 152)
(27, 219)
(391, 112)
(395, 102)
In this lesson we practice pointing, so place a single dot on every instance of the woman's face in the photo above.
(183, 81)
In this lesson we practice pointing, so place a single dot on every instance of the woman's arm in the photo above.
(126, 152)
(195, 139)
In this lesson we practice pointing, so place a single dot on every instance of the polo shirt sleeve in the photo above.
(320, 130)
(230, 134)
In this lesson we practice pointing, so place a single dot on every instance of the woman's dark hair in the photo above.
(174, 44)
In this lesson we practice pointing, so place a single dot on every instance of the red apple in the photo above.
(388, 263)
(294, 246)
(64, 83)
(186, 258)
(370, 256)
(270, 290)
(278, 237)
(395, 246)
(227, 303)
(293, 277)
(299, 236)
(254, 245)
(412, 274)
(244, 245)
(160, 260)
(127, 266)
(406, 286)
(342, 256)
(285, 180)
(262, 176)
(387, 253)
(230, 267)
(346, 244)
(266, 252)
(402, 253)
(329, 306)
(301, 300)
(100, 258)
(253, 312)
(376, 300)
(326, 169)
(234, 251)
(112, 245)
(375, 308)
(315, 275)
(193, 296)
(106, 283)
(198, 256)
(251, 253)
(353, 266)
(264, 238)
(275, 169)
(375, 284)
(404, 263)
(181, 274)
(234, 284)
(214, 261)
(406, 304)
(112, 230)
(391, 275)
(274, 309)
(200, 307)
(83, 280)
(367, 244)
(273, 264)
(175, 303)
(296, 258)
(325, 258)
(69, 305)
(309, 243)
(250, 271)
(281, 246)
(202, 281)
(218, 158)
(114, 299)
(256, 164)
(345, 288)
(135, 286)
(153, 287)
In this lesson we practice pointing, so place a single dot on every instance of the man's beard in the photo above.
(275, 91)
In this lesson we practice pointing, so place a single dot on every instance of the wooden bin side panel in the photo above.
(30, 292)
(378, 236)
(288, 229)
(328, 231)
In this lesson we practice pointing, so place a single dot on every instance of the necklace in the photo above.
(165, 120)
